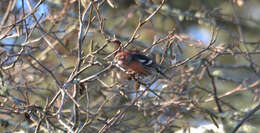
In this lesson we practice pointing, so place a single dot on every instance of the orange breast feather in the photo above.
(138, 67)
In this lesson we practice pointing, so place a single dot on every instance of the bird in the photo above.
(135, 65)
(132, 62)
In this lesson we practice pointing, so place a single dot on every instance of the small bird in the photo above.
(132, 62)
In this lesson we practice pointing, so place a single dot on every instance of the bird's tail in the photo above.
(162, 74)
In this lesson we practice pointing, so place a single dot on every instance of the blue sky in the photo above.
(41, 13)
